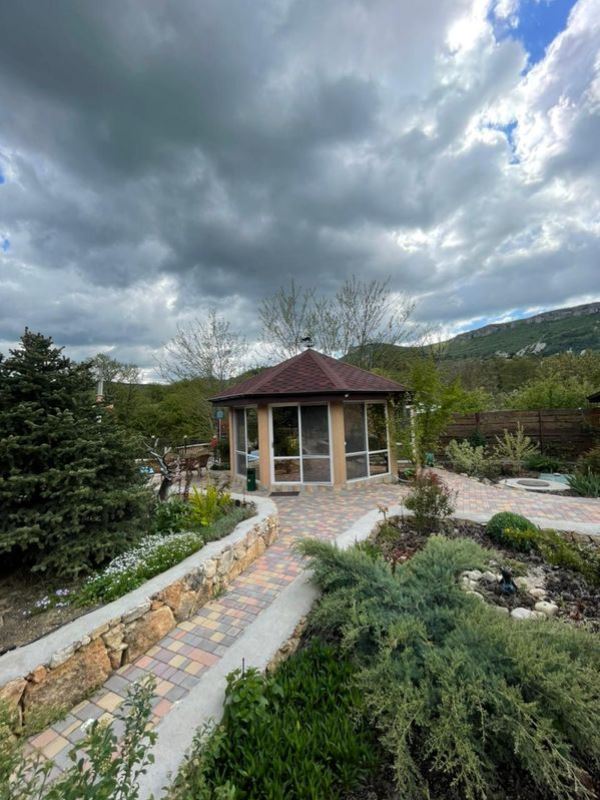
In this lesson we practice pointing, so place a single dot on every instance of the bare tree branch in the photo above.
(361, 316)
(207, 348)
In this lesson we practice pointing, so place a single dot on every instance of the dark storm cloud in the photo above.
(159, 157)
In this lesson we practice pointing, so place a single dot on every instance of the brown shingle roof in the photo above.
(310, 372)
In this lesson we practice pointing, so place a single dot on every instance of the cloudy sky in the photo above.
(158, 158)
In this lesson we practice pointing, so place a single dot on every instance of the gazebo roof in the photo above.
(310, 373)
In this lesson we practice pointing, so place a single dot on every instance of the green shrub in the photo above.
(466, 458)
(504, 521)
(477, 439)
(152, 556)
(172, 516)
(544, 463)
(430, 501)
(585, 484)
(558, 551)
(113, 766)
(522, 539)
(297, 734)
(469, 703)
(207, 506)
(513, 449)
(590, 461)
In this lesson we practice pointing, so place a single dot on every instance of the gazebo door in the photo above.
(301, 444)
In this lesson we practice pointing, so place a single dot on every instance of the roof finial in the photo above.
(307, 342)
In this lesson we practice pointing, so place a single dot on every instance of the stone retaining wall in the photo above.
(63, 668)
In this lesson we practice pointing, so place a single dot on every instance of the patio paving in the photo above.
(190, 649)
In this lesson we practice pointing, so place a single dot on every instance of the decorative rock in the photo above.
(546, 608)
(501, 609)
(70, 682)
(521, 582)
(473, 574)
(490, 576)
(478, 595)
(137, 612)
(61, 656)
(521, 613)
(146, 631)
(537, 593)
(468, 584)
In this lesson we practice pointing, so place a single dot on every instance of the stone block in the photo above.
(70, 682)
(113, 638)
(137, 612)
(147, 630)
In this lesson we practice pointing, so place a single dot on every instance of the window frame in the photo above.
(367, 453)
(236, 449)
(300, 457)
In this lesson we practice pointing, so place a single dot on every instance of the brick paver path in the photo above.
(193, 646)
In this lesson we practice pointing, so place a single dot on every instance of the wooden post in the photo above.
(541, 437)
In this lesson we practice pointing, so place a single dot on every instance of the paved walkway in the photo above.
(180, 659)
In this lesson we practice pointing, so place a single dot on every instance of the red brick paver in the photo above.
(180, 659)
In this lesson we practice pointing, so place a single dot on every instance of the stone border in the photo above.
(63, 667)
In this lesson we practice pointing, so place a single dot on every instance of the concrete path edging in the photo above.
(255, 648)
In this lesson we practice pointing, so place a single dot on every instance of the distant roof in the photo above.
(309, 373)
(594, 398)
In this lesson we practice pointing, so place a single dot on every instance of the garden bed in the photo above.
(578, 602)
(61, 668)
(33, 605)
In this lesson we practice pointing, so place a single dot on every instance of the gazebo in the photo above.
(311, 420)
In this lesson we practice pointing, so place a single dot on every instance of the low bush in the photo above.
(112, 766)
(544, 463)
(464, 457)
(172, 516)
(152, 556)
(297, 734)
(585, 484)
(511, 530)
(207, 506)
(558, 551)
(469, 703)
(518, 533)
(477, 439)
(514, 449)
(590, 461)
(431, 502)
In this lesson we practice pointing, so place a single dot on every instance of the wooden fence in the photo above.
(568, 431)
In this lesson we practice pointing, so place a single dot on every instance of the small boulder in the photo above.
(546, 608)
(521, 613)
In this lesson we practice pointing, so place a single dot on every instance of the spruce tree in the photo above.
(71, 495)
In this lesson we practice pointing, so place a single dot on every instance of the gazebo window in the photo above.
(246, 440)
(365, 426)
(301, 444)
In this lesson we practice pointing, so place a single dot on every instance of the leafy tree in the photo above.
(71, 495)
(434, 402)
(551, 392)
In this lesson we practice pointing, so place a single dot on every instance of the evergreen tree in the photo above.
(71, 495)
